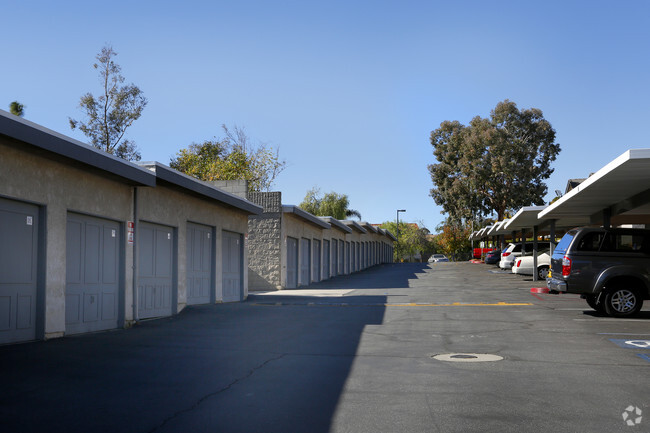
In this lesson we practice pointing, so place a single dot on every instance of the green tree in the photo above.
(331, 204)
(17, 109)
(113, 112)
(453, 240)
(412, 239)
(230, 158)
(492, 165)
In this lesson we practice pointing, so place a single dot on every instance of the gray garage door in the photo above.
(326, 259)
(341, 259)
(92, 290)
(292, 263)
(335, 257)
(18, 270)
(199, 264)
(155, 270)
(305, 262)
(316, 261)
(232, 251)
(348, 259)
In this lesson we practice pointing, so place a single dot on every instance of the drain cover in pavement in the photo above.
(468, 357)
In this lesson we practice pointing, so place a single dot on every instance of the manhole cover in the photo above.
(467, 357)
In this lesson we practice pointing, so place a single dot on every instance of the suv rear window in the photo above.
(591, 241)
(564, 243)
(626, 242)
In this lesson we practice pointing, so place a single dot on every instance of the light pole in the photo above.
(398, 211)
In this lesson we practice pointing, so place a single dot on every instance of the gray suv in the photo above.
(610, 268)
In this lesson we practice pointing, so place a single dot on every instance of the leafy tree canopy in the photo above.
(17, 109)
(229, 158)
(331, 204)
(453, 239)
(492, 165)
(113, 112)
(412, 239)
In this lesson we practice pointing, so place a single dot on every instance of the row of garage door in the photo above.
(304, 263)
(94, 292)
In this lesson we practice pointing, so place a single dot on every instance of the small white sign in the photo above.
(208, 235)
(169, 236)
(112, 233)
(30, 221)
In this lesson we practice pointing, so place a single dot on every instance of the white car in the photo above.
(436, 258)
(524, 265)
(513, 251)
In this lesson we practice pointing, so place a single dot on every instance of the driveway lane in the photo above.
(357, 361)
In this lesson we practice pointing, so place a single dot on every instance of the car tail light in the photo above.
(505, 254)
(518, 263)
(566, 266)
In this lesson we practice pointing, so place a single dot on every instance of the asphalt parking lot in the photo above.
(353, 354)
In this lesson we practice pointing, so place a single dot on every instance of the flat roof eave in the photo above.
(200, 188)
(53, 142)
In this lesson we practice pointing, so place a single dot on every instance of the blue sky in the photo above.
(349, 91)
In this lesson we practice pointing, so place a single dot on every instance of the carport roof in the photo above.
(304, 215)
(499, 229)
(483, 231)
(623, 186)
(202, 189)
(525, 218)
(69, 149)
(353, 224)
(333, 222)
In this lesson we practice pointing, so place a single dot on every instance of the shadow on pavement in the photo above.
(392, 275)
(227, 367)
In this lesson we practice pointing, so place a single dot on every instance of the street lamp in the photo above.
(398, 211)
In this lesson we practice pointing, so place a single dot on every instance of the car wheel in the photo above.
(592, 301)
(542, 272)
(623, 302)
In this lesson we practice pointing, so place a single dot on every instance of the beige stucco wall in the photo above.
(60, 188)
(171, 207)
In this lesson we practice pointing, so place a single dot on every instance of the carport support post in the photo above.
(535, 253)
(552, 236)
(607, 218)
(523, 242)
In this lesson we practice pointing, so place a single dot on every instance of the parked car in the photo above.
(524, 265)
(609, 268)
(437, 258)
(493, 257)
(514, 250)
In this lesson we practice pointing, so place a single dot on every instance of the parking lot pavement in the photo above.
(352, 354)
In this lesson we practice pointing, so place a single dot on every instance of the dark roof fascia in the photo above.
(45, 139)
(336, 223)
(289, 208)
(174, 177)
(390, 235)
(354, 225)
(368, 226)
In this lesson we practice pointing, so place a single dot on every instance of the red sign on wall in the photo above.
(130, 231)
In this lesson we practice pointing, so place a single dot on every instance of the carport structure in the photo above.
(618, 193)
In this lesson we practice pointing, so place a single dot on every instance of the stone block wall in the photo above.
(264, 242)
(237, 187)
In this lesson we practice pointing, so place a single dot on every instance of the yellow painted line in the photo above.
(461, 304)
(453, 304)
